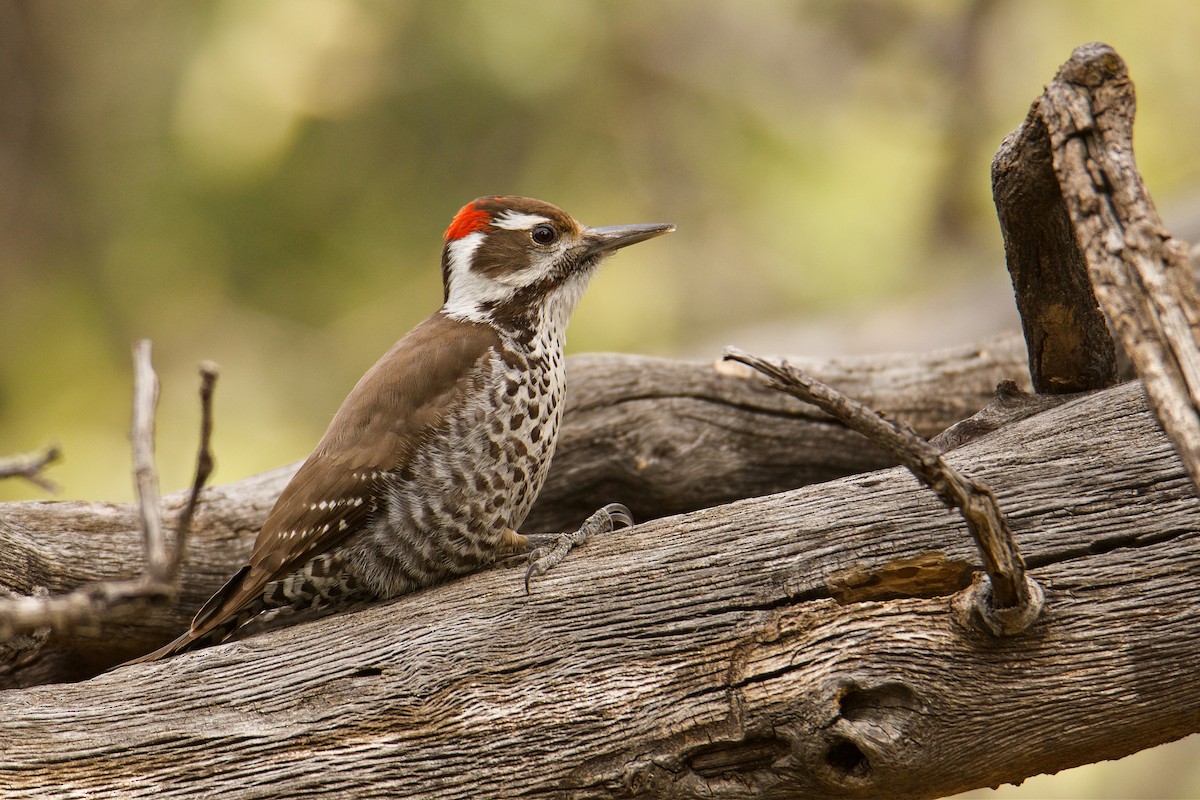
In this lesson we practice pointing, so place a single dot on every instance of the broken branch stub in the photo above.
(1009, 601)
(1070, 348)
(1070, 198)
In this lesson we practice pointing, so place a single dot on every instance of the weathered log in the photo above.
(664, 437)
(661, 436)
(1080, 227)
(702, 655)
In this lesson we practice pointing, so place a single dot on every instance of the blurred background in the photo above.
(265, 183)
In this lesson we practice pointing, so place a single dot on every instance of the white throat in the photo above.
(473, 295)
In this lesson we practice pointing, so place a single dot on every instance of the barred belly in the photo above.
(446, 513)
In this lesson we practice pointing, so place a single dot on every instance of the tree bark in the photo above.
(661, 436)
(736, 652)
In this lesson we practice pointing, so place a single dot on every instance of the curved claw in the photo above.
(609, 518)
(620, 515)
(533, 564)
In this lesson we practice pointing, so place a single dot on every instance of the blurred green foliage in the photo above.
(265, 182)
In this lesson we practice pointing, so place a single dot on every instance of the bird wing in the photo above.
(396, 404)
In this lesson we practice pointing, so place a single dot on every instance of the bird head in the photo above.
(509, 260)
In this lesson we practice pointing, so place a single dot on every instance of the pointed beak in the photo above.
(601, 241)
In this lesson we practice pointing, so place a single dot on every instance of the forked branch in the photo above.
(30, 466)
(90, 605)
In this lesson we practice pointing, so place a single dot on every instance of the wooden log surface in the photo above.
(741, 651)
(661, 436)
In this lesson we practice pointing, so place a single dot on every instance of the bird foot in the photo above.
(545, 557)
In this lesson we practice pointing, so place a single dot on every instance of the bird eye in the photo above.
(543, 234)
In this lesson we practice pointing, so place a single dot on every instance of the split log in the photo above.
(1082, 235)
(664, 437)
(660, 436)
(736, 652)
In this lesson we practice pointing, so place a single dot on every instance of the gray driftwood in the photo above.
(702, 655)
(661, 436)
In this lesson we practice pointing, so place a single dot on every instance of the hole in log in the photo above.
(927, 575)
(847, 759)
(877, 704)
(367, 672)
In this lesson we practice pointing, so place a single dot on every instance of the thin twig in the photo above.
(86, 608)
(145, 473)
(204, 467)
(92, 605)
(1011, 591)
(30, 466)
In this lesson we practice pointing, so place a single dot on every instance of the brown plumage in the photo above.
(434, 458)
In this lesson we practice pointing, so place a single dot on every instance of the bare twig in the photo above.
(83, 609)
(30, 465)
(204, 466)
(90, 606)
(1015, 599)
(145, 473)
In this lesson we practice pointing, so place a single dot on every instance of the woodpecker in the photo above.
(432, 462)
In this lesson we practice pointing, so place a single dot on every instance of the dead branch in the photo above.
(87, 609)
(30, 467)
(145, 472)
(1070, 349)
(1012, 602)
(204, 468)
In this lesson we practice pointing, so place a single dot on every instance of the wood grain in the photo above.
(701, 655)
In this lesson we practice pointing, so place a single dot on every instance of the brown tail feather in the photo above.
(211, 612)
(212, 623)
(190, 640)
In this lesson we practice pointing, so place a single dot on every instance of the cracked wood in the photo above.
(699, 656)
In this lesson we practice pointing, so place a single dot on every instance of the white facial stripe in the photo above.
(469, 289)
(462, 251)
(514, 221)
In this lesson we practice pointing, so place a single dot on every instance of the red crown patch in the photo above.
(468, 220)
